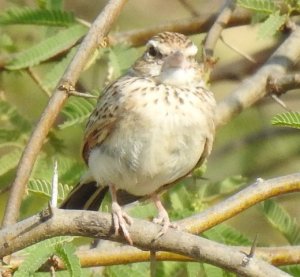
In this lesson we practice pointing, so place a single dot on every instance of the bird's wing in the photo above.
(102, 120)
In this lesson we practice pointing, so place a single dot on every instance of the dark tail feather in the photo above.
(85, 196)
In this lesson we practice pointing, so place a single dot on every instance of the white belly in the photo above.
(151, 146)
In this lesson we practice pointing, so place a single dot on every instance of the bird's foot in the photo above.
(120, 220)
(164, 220)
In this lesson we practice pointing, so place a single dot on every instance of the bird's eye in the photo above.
(153, 52)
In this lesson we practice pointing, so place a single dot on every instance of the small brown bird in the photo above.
(150, 127)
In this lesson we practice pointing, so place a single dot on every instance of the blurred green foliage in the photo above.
(38, 41)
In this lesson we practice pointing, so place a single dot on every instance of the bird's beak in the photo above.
(176, 60)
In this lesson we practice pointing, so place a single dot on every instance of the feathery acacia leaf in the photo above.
(53, 76)
(77, 111)
(37, 17)
(282, 221)
(47, 48)
(261, 6)
(228, 235)
(35, 260)
(66, 252)
(271, 25)
(10, 160)
(289, 119)
(44, 188)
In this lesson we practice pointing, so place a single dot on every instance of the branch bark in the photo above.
(97, 32)
(28, 231)
(279, 256)
(254, 88)
(99, 225)
(215, 31)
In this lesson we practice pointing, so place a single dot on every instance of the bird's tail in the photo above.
(87, 195)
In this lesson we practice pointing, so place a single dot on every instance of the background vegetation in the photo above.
(37, 41)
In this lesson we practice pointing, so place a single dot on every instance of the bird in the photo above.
(151, 127)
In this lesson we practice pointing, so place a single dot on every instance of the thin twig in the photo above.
(215, 31)
(97, 32)
(253, 89)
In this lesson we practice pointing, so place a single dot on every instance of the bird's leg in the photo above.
(163, 217)
(120, 218)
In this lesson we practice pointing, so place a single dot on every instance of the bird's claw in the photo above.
(120, 220)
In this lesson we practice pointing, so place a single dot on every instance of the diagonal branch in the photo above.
(99, 225)
(215, 32)
(254, 88)
(98, 30)
(246, 198)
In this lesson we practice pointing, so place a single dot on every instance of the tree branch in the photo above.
(25, 232)
(186, 26)
(99, 225)
(279, 85)
(215, 31)
(284, 255)
(246, 198)
(253, 88)
(98, 31)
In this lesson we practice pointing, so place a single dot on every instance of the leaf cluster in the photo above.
(273, 15)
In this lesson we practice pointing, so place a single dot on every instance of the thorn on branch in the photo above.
(279, 85)
(280, 102)
(54, 194)
(248, 257)
(70, 90)
(46, 213)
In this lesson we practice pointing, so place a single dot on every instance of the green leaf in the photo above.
(228, 235)
(9, 114)
(44, 188)
(66, 252)
(47, 48)
(35, 260)
(120, 58)
(289, 119)
(37, 17)
(77, 111)
(271, 25)
(282, 221)
(10, 160)
(262, 6)
(54, 74)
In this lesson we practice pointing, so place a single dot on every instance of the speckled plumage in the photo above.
(153, 124)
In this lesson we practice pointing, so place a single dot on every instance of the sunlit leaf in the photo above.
(271, 25)
(289, 119)
(282, 221)
(37, 16)
(47, 48)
